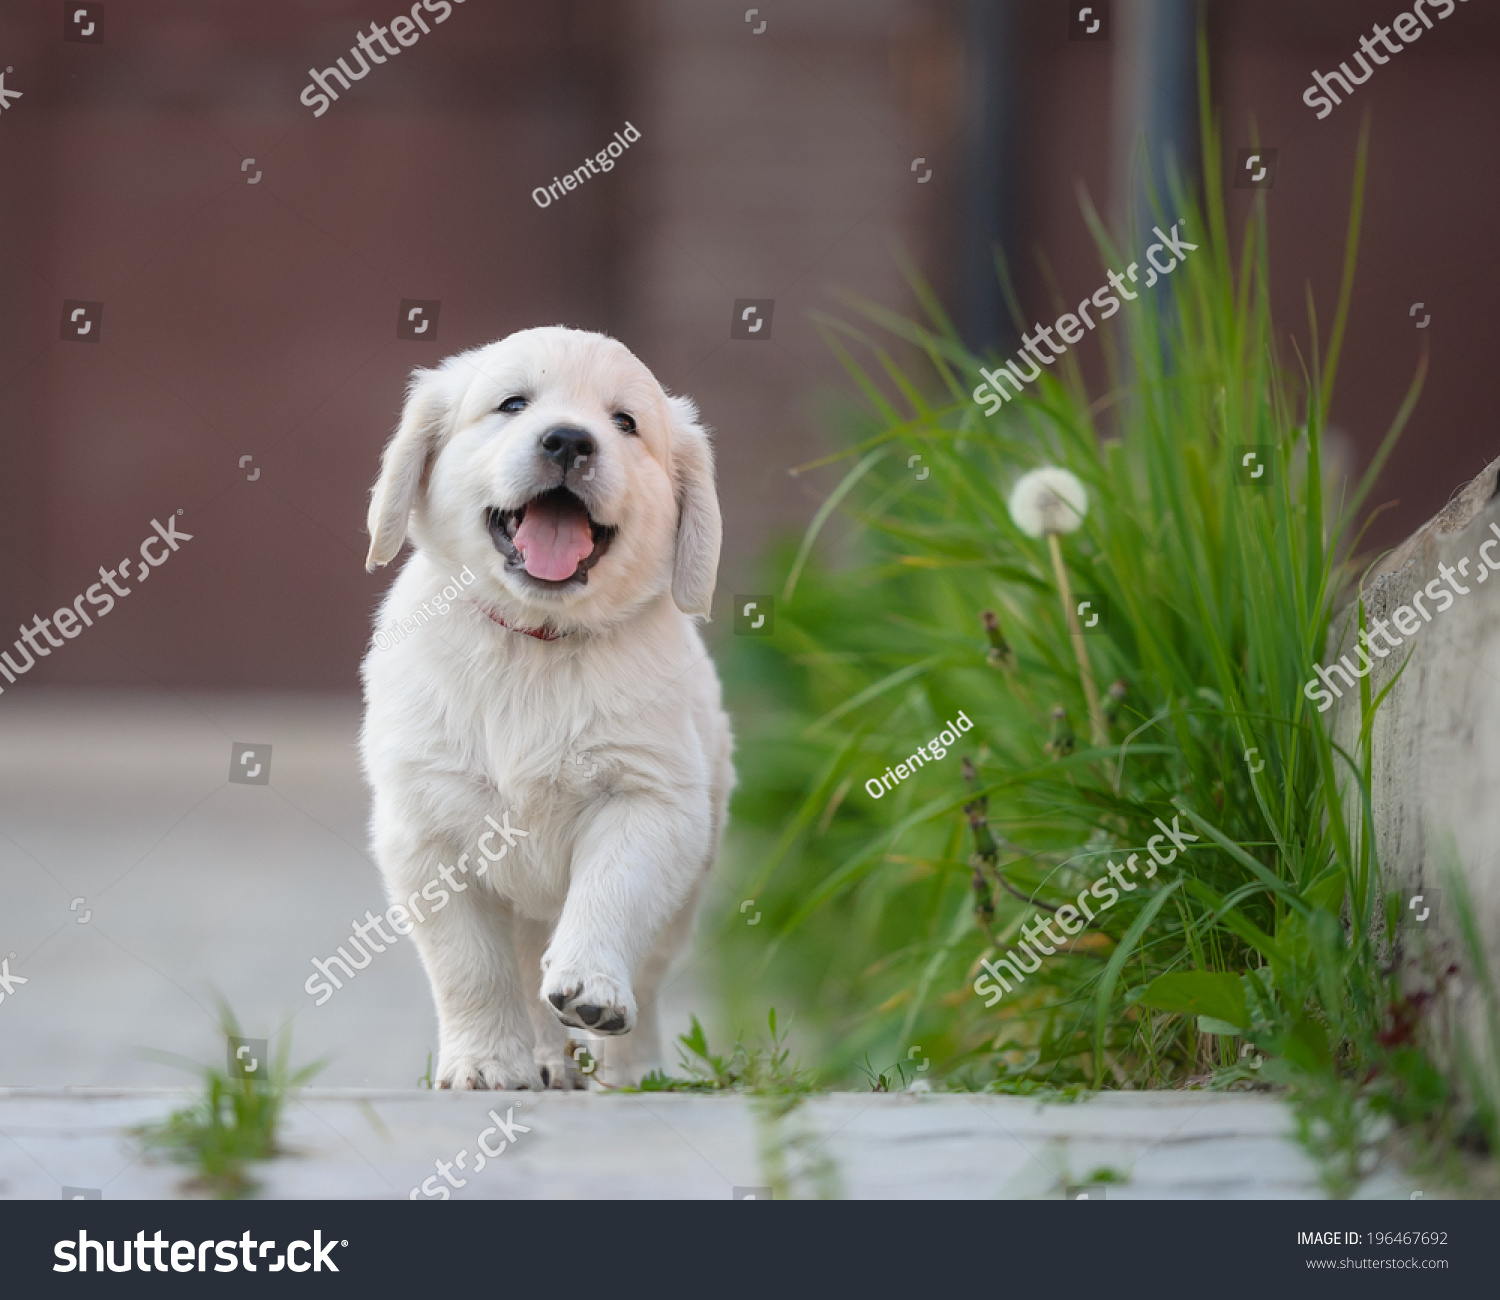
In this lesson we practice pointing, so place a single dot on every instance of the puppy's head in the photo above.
(555, 466)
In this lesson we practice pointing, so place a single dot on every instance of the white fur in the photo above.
(608, 746)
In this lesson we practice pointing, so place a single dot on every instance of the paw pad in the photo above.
(594, 1002)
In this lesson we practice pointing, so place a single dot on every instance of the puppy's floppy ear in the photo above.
(403, 464)
(699, 526)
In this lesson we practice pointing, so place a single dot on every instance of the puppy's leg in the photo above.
(630, 1058)
(557, 1068)
(484, 1033)
(634, 864)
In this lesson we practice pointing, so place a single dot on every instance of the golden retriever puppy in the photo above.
(549, 758)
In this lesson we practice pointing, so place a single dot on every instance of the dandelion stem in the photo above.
(1098, 734)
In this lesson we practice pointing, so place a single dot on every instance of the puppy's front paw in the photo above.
(589, 1000)
(487, 1073)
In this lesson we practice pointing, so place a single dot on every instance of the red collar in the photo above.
(544, 633)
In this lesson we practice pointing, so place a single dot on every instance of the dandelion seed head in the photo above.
(1049, 500)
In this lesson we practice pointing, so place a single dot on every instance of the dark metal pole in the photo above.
(1156, 108)
(991, 173)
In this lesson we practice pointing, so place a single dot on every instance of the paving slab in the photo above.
(385, 1144)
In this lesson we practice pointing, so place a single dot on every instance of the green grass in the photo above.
(1255, 958)
(233, 1122)
(765, 1067)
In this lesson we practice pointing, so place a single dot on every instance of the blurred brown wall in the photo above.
(260, 319)
(1429, 217)
(1429, 223)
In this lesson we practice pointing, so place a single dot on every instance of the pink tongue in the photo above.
(554, 538)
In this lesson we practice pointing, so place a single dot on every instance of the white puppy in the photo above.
(566, 694)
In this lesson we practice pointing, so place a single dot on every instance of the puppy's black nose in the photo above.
(568, 446)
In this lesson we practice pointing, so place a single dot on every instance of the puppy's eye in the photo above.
(624, 423)
(512, 406)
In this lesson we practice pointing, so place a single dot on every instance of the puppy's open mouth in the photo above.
(552, 538)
